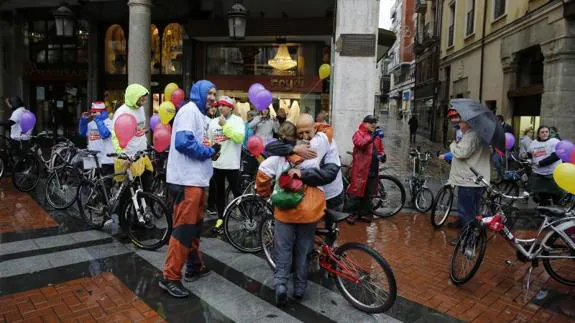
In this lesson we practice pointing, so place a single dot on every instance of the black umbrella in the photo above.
(481, 120)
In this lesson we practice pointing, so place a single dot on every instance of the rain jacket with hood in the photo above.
(139, 142)
(363, 145)
(187, 152)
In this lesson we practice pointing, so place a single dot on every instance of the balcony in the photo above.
(421, 6)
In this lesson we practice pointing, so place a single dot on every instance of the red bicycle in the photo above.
(361, 274)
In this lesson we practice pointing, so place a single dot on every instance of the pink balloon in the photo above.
(255, 146)
(125, 129)
(263, 100)
(154, 121)
(178, 97)
(162, 137)
(27, 121)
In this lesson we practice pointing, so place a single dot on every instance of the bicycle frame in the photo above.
(328, 258)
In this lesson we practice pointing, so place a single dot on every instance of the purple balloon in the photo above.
(254, 89)
(564, 149)
(509, 141)
(263, 100)
(154, 121)
(27, 121)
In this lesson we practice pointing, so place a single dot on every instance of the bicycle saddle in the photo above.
(551, 211)
(336, 216)
(92, 152)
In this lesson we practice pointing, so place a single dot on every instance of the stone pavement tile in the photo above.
(420, 258)
(74, 301)
(20, 212)
(17, 246)
(54, 241)
(24, 265)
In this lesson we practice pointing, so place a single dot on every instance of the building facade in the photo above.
(401, 58)
(515, 56)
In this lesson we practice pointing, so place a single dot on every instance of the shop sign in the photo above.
(59, 74)
(287, 84)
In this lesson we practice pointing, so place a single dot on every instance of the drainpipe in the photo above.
(482, 50)
(437, 58)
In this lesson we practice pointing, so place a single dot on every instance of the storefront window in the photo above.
(254, 59)
(172, 49)
(156, 47)
(115, 50)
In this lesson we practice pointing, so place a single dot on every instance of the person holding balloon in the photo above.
(21, 120)
(263, 126)
(98, 132)
(129, 137)
(545, 160)
(189, 170)
(228, 131)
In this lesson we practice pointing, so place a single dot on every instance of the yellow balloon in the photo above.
(171, 87)
(564, 176)
(324, 71)
(167, 111)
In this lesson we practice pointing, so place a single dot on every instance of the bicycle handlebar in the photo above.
(127, 157)
(479, 178)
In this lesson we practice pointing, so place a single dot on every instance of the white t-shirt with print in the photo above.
(95, 142)
(181, 169)
(541, 150)
(16, 130)
(139, 142)
(334, 188)
(230, 153)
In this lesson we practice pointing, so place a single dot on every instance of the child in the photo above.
(99, 134)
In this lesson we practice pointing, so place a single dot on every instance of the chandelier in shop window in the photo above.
(282, 61)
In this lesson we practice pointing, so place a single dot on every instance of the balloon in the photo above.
(564, 149)
(509, 141)
(324, 71)
(162, 137)
(178, 97)
(27, 121)
(125, 129)
(169, 89)
(263, 100)
(564, 176)
(255, 146)
(167, 111)
(154, 121)
(572, 156)
(253, 90)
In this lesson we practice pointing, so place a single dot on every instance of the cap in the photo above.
(98, 107)
(452, 113)
(227, 101)
(370, 119)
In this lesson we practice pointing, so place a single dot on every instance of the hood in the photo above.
(199, 93)
(133, 93)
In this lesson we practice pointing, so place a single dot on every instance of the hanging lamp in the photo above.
(282, 61)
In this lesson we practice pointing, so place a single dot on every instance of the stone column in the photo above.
(558, 100)
(352, 95)
(139, 70)
(509, 65)
(3, 107)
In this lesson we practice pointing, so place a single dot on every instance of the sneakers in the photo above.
(281, 295)
(191, 276)
(174, 288)
(298, 297)
(218, 227)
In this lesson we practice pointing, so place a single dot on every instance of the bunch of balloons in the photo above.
(27, 121)
(259, 96)
(564, 174)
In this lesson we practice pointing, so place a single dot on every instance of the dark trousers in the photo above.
(412, 134)
(468, 202)
(212, 195)
(220, 176)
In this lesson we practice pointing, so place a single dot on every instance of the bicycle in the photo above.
(557, 244)
(27, 168)
(349, 274)
(443, 202)
(389, 198)
(421, 195)
(242, 221)
(148, 219)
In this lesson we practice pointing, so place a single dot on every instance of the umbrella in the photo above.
(481, 120)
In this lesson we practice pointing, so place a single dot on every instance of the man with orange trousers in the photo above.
(188, 174)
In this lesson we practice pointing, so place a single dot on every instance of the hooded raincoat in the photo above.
(139, 142)
(363, 146)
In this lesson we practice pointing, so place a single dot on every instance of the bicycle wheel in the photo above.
(150, 227)
(423, 199)
(470, 250)
(242, 219)
(364, 278)
(508, 188)
(62, 187)
(442, 206)
(267, 240)
(560, 269)
(93, 204)
(2, 166)
(390, 197)
(26, 173)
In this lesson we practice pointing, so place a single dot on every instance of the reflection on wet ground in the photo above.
(420, 258)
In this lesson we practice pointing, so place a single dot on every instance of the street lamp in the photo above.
(237, 17)
(64, 18)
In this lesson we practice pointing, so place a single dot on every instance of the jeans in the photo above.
(412, 135)
(336, 204)
(468, 201)
(498, 164)
(292, 241)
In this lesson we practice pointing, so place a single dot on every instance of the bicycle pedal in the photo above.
(510, 263)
